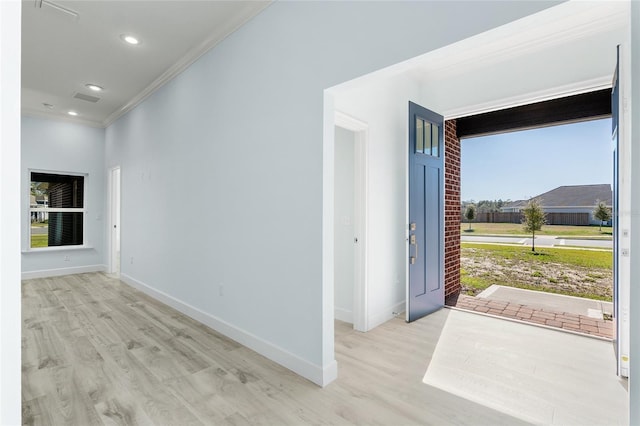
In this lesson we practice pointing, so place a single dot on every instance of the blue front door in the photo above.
(426, 213)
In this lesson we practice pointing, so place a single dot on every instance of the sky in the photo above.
(520, 165)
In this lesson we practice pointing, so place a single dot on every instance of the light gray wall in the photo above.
(64, 147)
(634, 311)
(236, 140)
(344, 224)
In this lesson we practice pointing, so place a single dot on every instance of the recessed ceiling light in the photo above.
(46, 105)
(94, 87)
(128, 38)
(72, 113)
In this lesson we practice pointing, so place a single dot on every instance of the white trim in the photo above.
(57, 248)
(361, 207)
(56, 172)
(361, 185)
(315, 373)
(57, 209)
(627, 215)
(348, 122)
(328, 211)
(329, 373)
(44, 273)
(344, 315)
(386, 314)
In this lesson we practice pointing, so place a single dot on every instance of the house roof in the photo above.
(516, 203)
(577, 196)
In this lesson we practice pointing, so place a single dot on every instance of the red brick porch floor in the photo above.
(563, 320)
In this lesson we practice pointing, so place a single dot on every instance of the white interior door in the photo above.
(114, 222)
(352, 228)
(345, 244)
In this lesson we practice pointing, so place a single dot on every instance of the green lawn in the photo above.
(516, 229)
(39, 240)
(583, 258)
(582, 273)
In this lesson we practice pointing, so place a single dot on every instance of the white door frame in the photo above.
(114, 208)
(625, 220)
(361, 185)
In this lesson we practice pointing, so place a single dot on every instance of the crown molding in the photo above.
(187, 60)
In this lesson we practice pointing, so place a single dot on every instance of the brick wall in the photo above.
(451, 211)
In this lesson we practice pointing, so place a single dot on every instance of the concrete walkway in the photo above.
(574, 314)
(541, 241)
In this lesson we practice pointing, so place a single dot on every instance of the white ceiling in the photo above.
(61, 53)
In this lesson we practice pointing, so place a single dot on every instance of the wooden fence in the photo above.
(579, 219)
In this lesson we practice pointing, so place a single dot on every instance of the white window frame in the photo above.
(47, 209)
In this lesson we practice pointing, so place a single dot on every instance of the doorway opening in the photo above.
(562, 278)
(350, 221)
(599, 319)
(114, 220)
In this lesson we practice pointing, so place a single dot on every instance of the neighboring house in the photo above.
(513, 206)
(35, 202)
(570, 199)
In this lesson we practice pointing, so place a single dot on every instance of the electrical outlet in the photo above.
(221, 289)
(67, 258)
(132, 260)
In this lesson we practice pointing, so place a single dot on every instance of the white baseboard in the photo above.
(382, 316)
(27, 275)
(343, 315)
(315, 373)
(329, 373)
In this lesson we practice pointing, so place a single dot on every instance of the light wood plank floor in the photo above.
(95, 351)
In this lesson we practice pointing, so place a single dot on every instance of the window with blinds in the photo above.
(57, 210)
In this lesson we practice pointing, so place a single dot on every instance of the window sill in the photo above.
(56, 248)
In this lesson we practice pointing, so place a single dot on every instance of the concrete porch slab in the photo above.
(548, 301)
